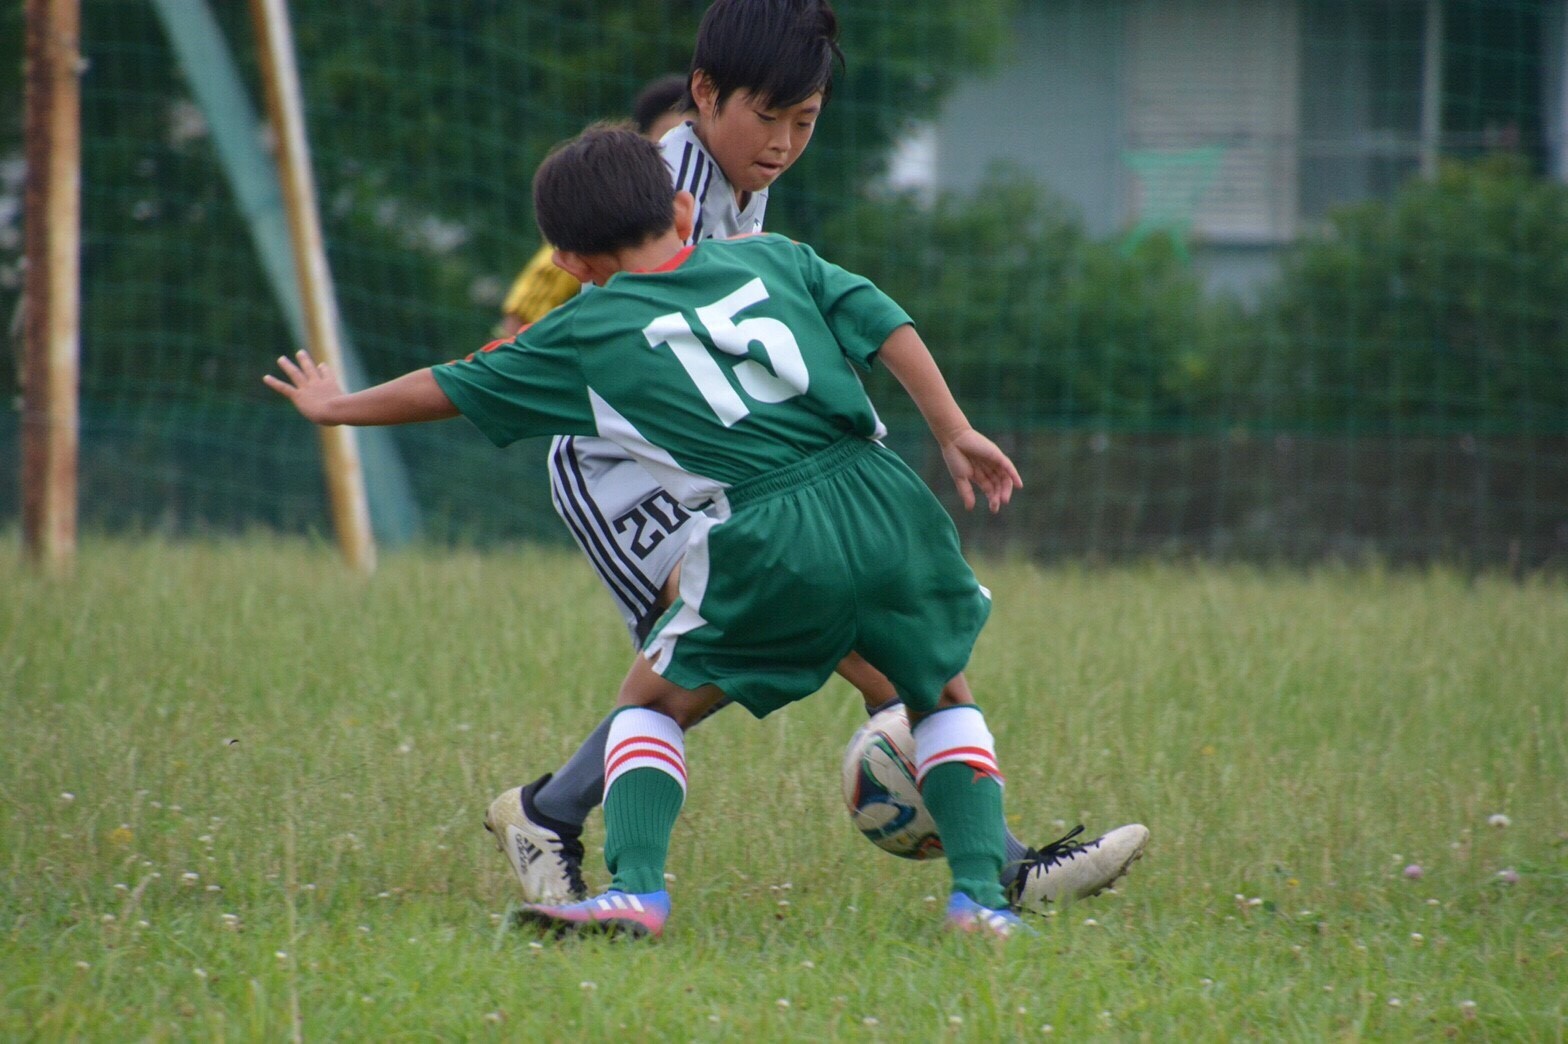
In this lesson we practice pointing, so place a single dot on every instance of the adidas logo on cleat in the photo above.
(527, 851)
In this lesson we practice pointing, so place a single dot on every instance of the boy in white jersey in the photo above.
(811, 538)
(761, 73)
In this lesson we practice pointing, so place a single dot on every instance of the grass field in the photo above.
(242, 795)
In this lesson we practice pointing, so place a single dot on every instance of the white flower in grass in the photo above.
(144, 924)
(1467, 1010)
(870, 1020)
(1509, 876)
(1090, 922)
(67, 796)
(1434, 902)
(281, 955)
(713, 1019)
(1047, 1029)
(955, 1020)
(1395, 1002)
(808, 964)
(1498, 820)
(189, 878)
(586, 985)
(493, 1016)
(121, 886)
(200, 973)
(82, 966)
(782, 1002)
(107, 918)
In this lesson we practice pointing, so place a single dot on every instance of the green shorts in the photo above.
(845, 550)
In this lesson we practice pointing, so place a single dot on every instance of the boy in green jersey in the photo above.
(729, 370)
(761, 75)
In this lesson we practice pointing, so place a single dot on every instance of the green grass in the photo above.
(242, 794)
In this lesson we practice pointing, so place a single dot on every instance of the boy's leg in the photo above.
(645, 772)
(879, 694)
(956, 770)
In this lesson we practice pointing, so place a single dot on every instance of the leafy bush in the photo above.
(1032, 320)
(1442, 309)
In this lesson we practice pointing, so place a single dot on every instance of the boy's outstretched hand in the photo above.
(311, 386)
(974, 460)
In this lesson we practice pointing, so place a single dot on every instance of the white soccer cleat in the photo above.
(1063, 871)
(547, 860)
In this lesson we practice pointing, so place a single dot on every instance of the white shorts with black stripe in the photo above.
(631, 529)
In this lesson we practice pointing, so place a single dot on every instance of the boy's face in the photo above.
(753, 144)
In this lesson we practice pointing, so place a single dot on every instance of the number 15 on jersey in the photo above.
(786, 378)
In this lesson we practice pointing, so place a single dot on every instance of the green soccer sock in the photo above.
(967, 808)
(640, 810)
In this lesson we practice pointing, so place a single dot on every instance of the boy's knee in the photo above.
(954, 694)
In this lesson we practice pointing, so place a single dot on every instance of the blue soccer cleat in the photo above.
(613, 913)
(966, 915)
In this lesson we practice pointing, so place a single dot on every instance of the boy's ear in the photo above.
(573, 265)
(685, 211)
(705, 93)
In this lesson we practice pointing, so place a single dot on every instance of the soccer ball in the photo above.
(879, 788)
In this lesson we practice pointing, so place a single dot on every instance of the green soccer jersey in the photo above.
(735, 358)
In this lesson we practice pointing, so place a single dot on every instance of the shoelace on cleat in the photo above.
(1045, 856)
(572, 855)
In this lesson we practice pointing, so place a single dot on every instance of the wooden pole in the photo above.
(1432, 90)
(340, 452)
(51, 295)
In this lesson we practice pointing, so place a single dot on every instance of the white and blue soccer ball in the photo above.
(880, 790)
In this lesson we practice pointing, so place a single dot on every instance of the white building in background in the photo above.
(1237, 123)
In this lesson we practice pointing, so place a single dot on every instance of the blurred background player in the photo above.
(761, 74)
(541, 286)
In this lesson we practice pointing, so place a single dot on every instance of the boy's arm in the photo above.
(316, 393)
(971, 458)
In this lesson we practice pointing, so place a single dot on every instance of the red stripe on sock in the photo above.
(658, 755)
(652, 740)
(968, 755)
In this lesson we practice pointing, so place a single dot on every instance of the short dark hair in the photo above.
(664, 95)
(604, 190)
(782, 51)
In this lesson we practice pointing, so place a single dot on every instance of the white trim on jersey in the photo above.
(692, 491)
(695, 569)
(693, 169)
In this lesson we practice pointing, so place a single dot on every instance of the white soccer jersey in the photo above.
(693, 170)
(631, 529)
